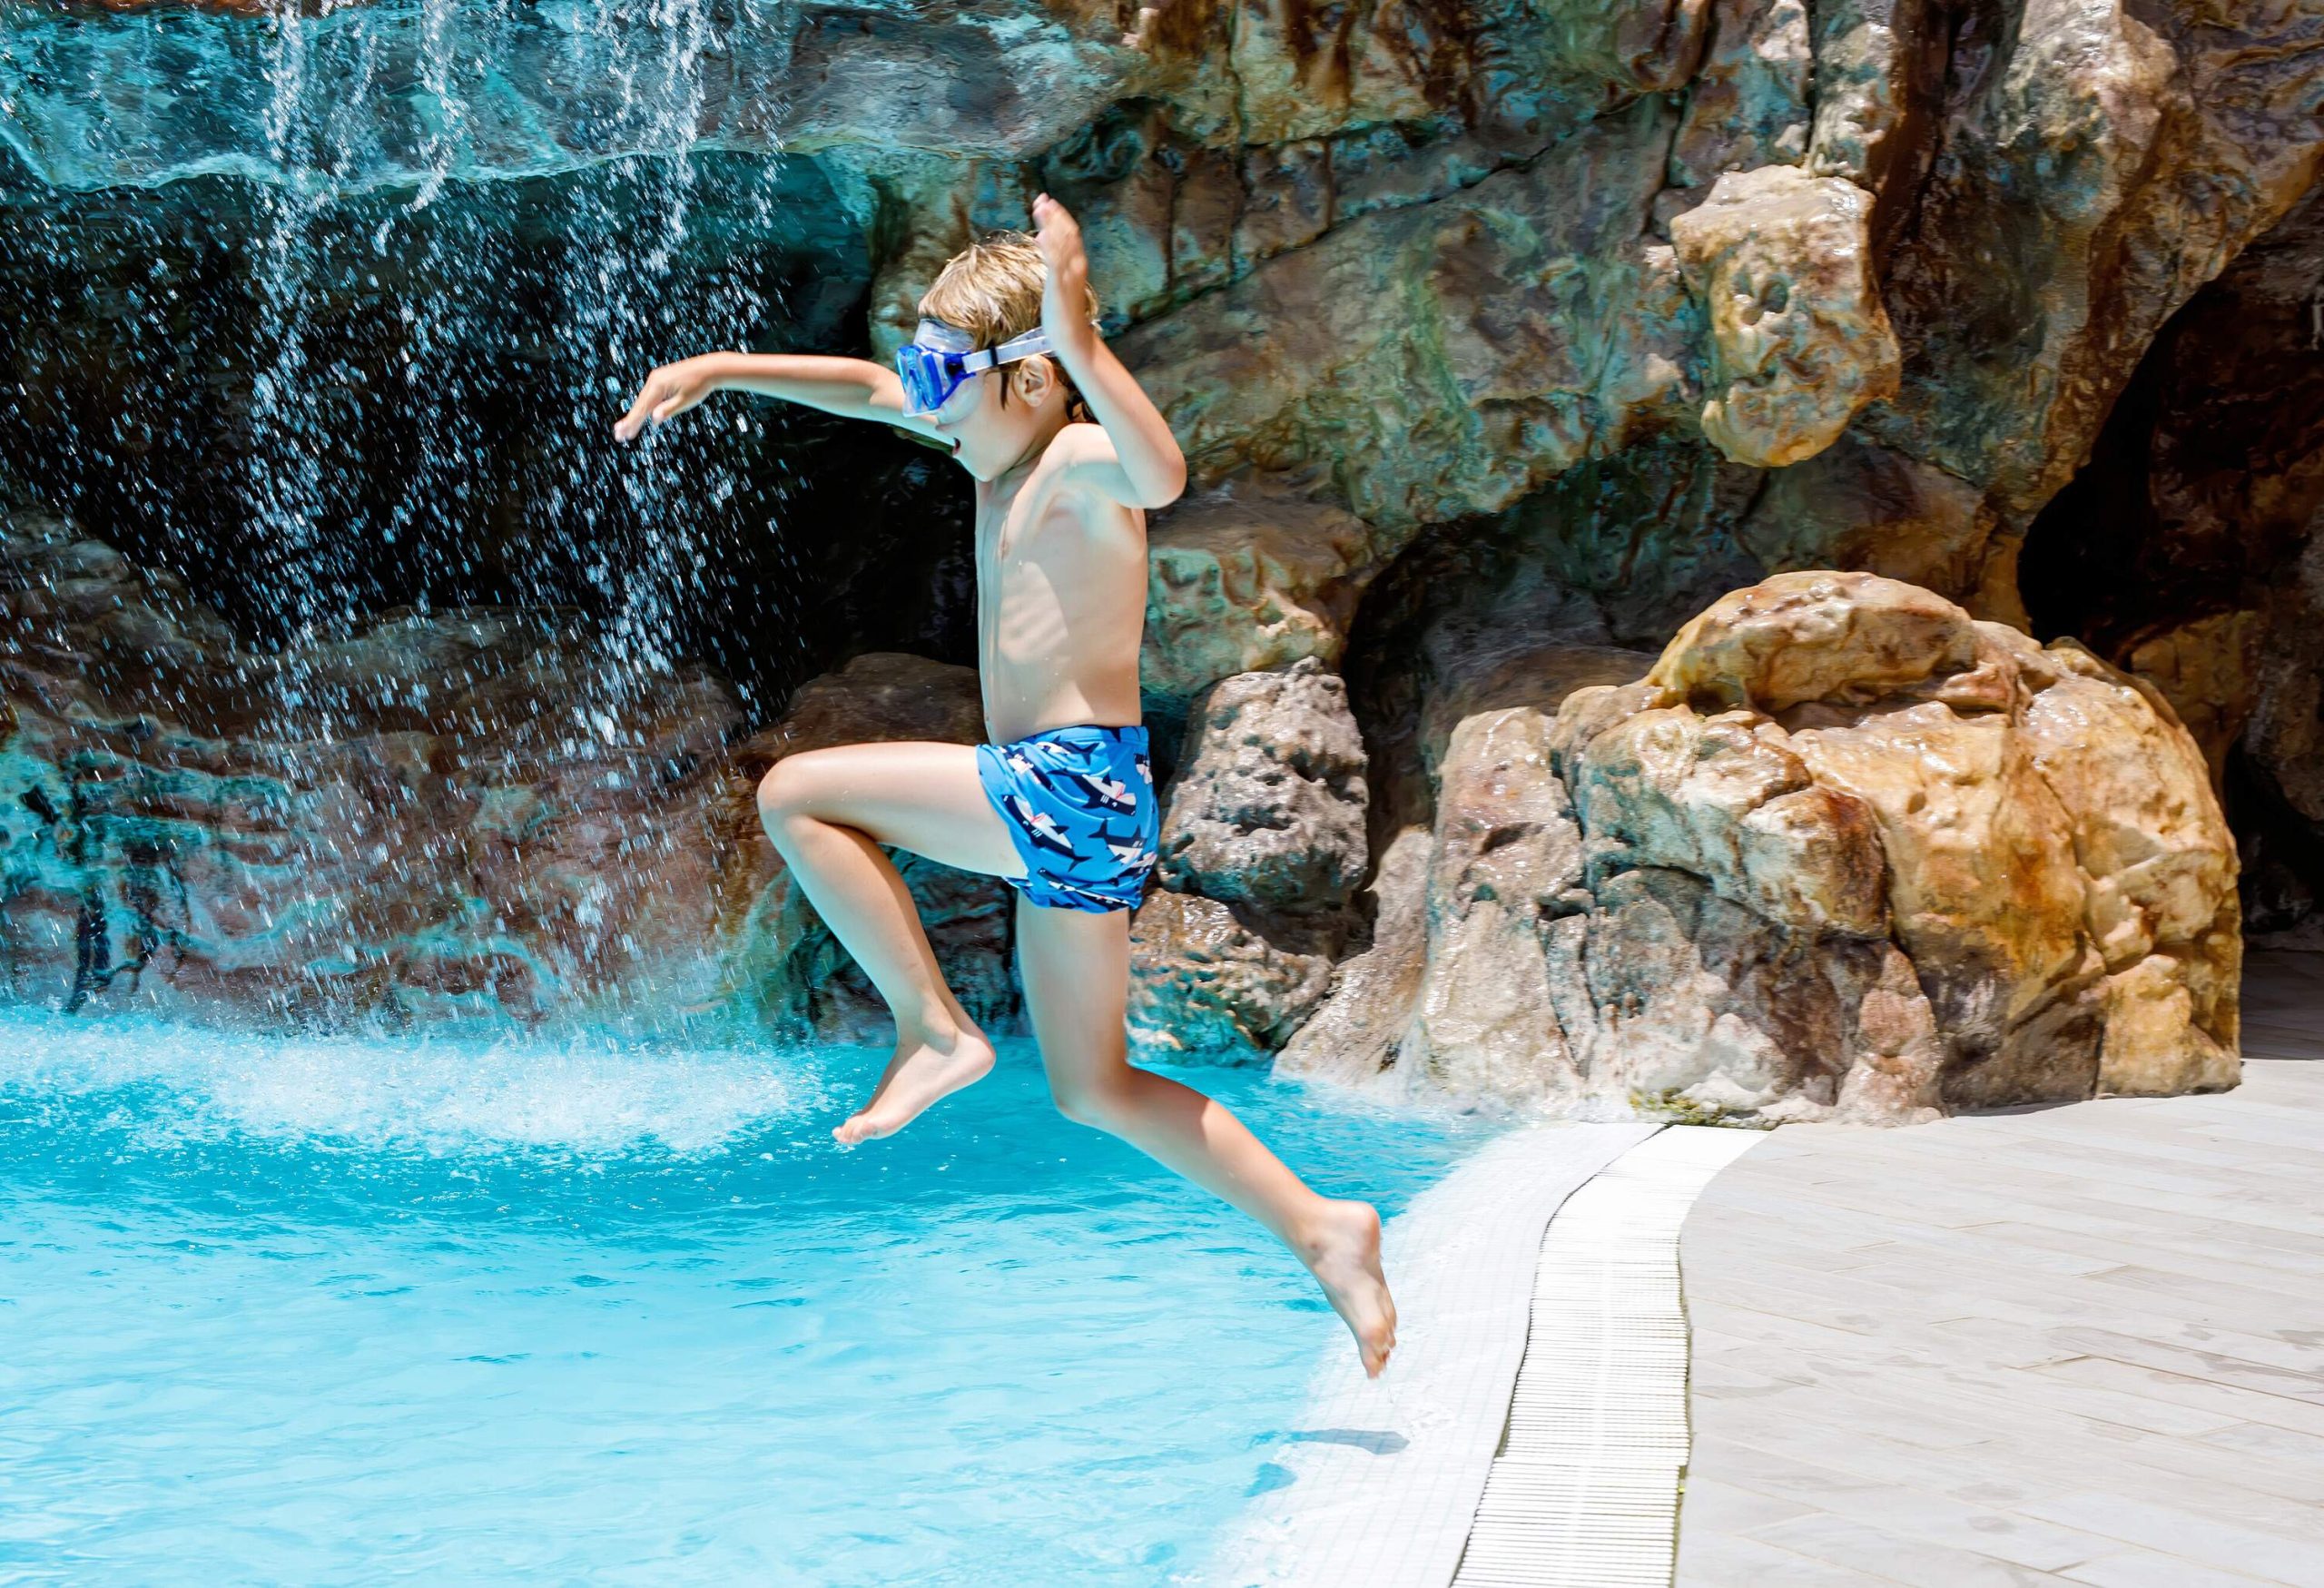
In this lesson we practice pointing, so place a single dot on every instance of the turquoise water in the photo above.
(327, 1311)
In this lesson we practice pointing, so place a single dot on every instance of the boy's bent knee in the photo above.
(787, 789)
(1097, 1107)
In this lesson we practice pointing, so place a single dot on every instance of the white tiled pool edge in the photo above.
(1584, 1490)
(1379, 1482)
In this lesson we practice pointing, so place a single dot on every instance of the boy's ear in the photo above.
(1036, 378)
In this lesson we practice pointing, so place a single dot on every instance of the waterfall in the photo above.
(430, 249)
(343, 84)
(322, 313)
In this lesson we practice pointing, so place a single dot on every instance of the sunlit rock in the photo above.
(1846, 852)
(1356, 1033)
(2159, 867)
(1724, 802)
(1267, 805)
(1505, 871)
(1445, 358)
(2094, 164)
(1781, 262)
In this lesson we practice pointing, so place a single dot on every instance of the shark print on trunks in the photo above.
(1080, 807)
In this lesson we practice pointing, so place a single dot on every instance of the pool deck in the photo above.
(2082, 1344)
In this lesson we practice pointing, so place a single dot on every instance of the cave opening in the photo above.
(2187, 550)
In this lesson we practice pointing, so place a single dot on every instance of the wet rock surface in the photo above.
(426, 816)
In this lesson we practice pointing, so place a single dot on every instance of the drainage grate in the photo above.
(1584, 1490)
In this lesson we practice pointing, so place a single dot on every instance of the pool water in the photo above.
(464, 1311)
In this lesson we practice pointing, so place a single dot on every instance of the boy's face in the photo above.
(986, 434)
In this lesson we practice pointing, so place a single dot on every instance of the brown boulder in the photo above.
(1847, 851)
(1242, 580)
(1262, 845)
(1267, 805)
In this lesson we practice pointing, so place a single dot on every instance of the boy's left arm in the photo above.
(1142, 467)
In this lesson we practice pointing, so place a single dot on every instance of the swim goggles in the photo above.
(934, 367)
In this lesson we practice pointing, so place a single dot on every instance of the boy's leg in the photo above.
(1076, 968)
(827, 812)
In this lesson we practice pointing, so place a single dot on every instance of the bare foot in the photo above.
(1343, 1254)
(922, 1071)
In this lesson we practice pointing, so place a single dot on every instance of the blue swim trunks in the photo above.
(1080, 805)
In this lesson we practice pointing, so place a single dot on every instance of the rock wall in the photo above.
(1506, 343)
(430, 816)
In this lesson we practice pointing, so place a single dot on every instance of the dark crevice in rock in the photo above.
(2282, 850)
(2185, 549)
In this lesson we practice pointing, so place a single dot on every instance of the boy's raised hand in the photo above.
(1064, 297)
(1141, 466)
(668, 392)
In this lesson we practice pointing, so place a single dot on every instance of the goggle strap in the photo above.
(1023, 347)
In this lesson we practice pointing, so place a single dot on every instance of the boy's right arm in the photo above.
(854, 387)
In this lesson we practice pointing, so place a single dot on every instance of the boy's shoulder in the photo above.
(1080, 441)
(1080, 455)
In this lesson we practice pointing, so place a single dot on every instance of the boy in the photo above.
(1060, 802)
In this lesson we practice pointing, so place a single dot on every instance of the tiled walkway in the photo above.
(1376, 1485)
(2081, 1345)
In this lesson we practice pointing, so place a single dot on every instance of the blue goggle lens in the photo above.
(930, 377)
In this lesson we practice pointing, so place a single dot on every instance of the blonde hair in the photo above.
(992, 290)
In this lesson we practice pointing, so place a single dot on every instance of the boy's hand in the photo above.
(1065, 298)
(668, 392)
